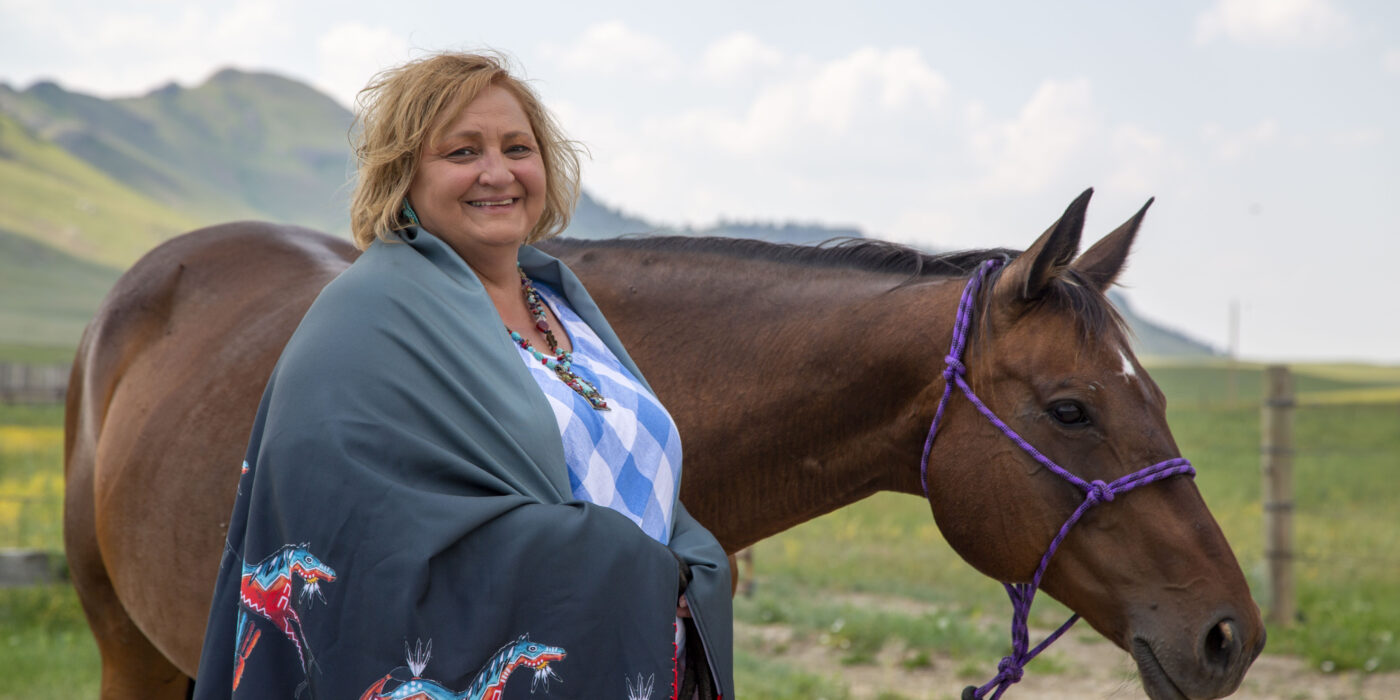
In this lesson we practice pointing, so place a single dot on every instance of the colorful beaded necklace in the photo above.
(562, 362)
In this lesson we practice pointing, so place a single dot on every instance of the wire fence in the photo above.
(25, 383)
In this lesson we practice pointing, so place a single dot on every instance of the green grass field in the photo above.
(877, 576)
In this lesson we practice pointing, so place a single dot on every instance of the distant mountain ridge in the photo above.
(240, 145)
(95, 183)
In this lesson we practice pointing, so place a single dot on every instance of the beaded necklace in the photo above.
(562, 362)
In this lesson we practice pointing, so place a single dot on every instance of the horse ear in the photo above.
(1102, 262)
(1027, 276)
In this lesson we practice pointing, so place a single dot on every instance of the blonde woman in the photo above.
(458, 483)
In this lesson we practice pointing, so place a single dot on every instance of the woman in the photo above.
(455, 455)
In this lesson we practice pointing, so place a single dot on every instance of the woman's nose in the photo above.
(495, 170)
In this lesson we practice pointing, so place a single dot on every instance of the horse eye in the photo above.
(1070, 413)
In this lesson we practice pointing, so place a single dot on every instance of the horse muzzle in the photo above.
(1211, 666)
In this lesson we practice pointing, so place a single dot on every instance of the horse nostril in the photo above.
(1222, 643)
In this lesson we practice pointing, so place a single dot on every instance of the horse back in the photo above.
(168, 375)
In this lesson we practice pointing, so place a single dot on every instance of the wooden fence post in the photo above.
(1276, 430)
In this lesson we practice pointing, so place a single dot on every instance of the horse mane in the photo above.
(1070, 291)
(844, 252)
(1091, 308)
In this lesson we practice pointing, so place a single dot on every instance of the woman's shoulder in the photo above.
(356, 315)
(389, 281)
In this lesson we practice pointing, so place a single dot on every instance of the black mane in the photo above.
(858, 253)
(1095, 312)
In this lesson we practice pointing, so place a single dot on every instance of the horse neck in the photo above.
(502, 664)
(797, 390)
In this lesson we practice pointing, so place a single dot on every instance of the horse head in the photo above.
(1151, 570)
(537, 657)
(534, 654)
(305, 564)
(312, 571)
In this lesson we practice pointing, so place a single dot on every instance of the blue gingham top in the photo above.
(627, 458)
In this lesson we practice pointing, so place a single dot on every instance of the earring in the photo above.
(410, 214)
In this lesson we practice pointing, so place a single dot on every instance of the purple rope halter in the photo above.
(1011, 668)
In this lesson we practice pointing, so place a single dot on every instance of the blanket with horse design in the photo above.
(404, 525)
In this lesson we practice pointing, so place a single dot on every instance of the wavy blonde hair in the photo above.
(404, 107)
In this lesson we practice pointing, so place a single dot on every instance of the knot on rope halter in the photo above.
(1099, 492)
(955, 368)
(1009, 669)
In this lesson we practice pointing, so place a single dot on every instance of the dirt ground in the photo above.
(1081, 665)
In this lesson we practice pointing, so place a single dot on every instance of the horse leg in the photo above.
(131, 666)
(248, 635)
(309, 665)
(746, 580)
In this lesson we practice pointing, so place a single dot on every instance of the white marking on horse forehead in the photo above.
(1129, 371)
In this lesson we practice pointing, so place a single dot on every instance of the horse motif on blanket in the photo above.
(489, 683)
(266, 589)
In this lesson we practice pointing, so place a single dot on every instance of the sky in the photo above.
(1267, 130)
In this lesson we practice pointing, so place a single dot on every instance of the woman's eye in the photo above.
(1069, 413)
(462, 153)
(518, 150)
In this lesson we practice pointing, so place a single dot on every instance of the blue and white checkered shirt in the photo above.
(627, 458)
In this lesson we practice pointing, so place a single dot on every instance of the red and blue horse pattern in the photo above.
(488, 684)
(267, 590)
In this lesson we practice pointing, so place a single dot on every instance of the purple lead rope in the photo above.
(1011, 668)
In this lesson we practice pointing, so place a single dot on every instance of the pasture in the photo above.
(868, 602)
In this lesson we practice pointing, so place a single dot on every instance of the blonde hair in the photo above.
(404, 107)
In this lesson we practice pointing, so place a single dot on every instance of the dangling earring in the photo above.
(410, 214)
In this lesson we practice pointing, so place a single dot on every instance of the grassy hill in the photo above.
(46, 298)
(55, 197)
(240, 145)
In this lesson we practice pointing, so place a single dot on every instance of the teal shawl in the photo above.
(404, 522)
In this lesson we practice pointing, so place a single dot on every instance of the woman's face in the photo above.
(481, 185)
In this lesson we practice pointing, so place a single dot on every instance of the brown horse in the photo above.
(802, 379)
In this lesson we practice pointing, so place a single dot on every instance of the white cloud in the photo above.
(1232, 146)
(1142, 160)
(810, 139)
(737, 56)
(157, 43)
(1391, 60)
(1365, 137)
(1031, 151)
(827, 100)
(1273, 23)
(611, 48)
(350, 52)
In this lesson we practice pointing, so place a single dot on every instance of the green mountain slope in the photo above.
(1156, 340)
(242, 145)
(47, 296)
(52, 196)
(257, 143)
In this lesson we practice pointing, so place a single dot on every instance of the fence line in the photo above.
(21, 564)
(24, 383)
(1276, 451)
